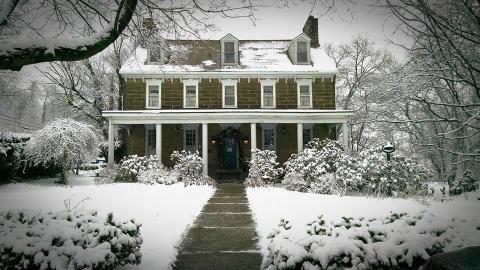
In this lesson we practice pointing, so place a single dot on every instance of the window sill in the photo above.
(262, 107)
(153, 108)
(229, 107)
(305, 107)
(190, 107)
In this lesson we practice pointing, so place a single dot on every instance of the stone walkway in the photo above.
(223, 236)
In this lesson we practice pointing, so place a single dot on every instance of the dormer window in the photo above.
(155, 54)
(229, 47)
(229, 52)
(302, 52)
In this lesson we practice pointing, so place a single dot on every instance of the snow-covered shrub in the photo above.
(91, 167)
(130, 167)
(264, 168)
(67, 240)
(466, 184)
(316, 166)
(399, 241)
(161, 175)
(188, 165)
(63, 142)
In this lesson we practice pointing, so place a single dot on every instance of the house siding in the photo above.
(248, 94)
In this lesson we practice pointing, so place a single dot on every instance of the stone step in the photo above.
(238, 199)
(223, 208)
(219, 261)
(200, 239)
(225, 220)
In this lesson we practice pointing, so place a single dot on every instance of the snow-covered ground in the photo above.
(164, 211)
(270, 205)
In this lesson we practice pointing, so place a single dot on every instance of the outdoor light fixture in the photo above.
(389, 149)
(213, 141)
(245, 141)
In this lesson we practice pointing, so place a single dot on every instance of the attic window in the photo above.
(155, 55)
(229, 52)
(302, 52)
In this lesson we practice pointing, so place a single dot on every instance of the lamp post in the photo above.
(389, 149)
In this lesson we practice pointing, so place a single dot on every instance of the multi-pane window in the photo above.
(151, 135)
(302, 52)
(269, 139)
(190, 96)
(229, 52)
(268, 96)
(229, 96)
(304, 96)
(153, 96)
(307, 135)
(190, 140)
(155, 54)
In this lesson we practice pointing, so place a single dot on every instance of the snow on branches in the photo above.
(264, 168)
(63, 142)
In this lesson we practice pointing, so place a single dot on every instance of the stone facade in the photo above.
(248, 94)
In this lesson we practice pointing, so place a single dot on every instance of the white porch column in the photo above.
(300, 137)
(253, 138)
(111, 143)
(158, 143)
(345, 136)
(205, 148)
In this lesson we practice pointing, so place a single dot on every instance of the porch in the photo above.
(225, 138)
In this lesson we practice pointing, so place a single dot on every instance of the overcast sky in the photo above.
(274, 22)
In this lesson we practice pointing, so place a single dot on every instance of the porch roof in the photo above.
(227, 116)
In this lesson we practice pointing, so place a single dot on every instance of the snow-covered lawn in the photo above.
(269, 205)
(165, 211)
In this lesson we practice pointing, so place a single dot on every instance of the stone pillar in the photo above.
(299, 137)
(111, 143)
(158, 143)
(205, 148)
(253, 138)
(345, 136)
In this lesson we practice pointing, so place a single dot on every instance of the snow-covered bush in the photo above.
(400, 241)
(161, 175)
(188, 165)
(63, 142)
(12, 158)
(131, 166)
(466, 184)
(316, 166)
(264, 168)
(67, 240)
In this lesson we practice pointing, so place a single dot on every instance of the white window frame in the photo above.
(229, 83)
(272, 127)
(149, 128)
(302, 82)
(190, 127)
(268, 83)
(153, 82)
(186, 83)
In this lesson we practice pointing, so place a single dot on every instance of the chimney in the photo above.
(311, 30)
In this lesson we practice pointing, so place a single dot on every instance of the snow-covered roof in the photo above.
(255, 56)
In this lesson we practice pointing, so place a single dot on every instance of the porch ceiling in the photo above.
(227, 116)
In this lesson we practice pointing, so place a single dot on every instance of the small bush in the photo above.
(264, 169)
(399, 241)
(130, 167)
(466, 184)
(188, 165)
(67, 240)
(158, 176)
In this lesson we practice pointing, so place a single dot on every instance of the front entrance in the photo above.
(230, 153)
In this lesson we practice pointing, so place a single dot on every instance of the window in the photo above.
(229, 52)
(269, 139)
(229, 93)
(304, 94)
(153, 93)
(307, 135)
(155, 54)
(268, 93)
(190, 94)
(302, 52)
(190, 140)
(151, 136)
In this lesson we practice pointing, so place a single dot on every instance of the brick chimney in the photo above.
(311, 30)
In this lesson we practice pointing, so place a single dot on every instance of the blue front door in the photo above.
(230, 153)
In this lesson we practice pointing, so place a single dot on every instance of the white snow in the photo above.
(255, 56)
(270, 205)
(165, 211)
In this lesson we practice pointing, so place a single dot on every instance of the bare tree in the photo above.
(361, 69)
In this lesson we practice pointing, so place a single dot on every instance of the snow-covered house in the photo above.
(224, 98)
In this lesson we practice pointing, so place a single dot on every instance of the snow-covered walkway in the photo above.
(223, 236)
